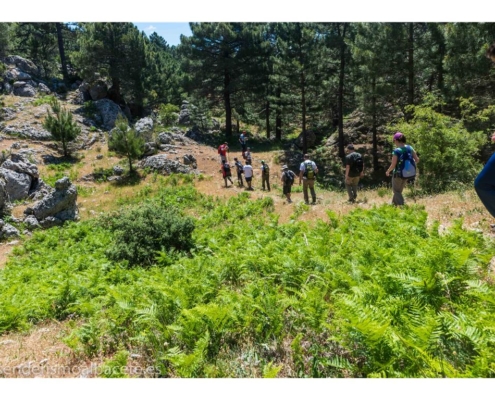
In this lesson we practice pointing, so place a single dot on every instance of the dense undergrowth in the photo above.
(376, 293)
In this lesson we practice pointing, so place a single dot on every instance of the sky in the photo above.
(170, 31)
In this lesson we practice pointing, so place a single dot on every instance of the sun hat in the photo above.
(398, 135)
(285, 167)
(262, 161)
(350, 146)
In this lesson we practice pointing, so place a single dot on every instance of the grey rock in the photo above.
(43, 88)
(118, 170)
(8, 231)
(23, 64)
(57, 207)
(150, 148)
(25, 91)
(15, 74)
(189, 159)
(109, 111)
(7, 113)
(28, 131)
(16, 184)
(21, 165)
(98, 90)
(162, 164)
(144, 125)
(31, 222)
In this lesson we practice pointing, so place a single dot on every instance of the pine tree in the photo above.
(126, 142)
(61, 125)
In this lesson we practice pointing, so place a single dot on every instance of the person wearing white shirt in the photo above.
(248, 174)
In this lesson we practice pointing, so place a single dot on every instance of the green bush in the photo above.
(167, 114)
(140, 232)
(447, 150)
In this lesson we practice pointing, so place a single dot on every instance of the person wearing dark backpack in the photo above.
(484, 184)
(354, 170)
(240, 171)
(226, 173)
(403, 166)
(307, 175)
(288, 178)
(265, 175)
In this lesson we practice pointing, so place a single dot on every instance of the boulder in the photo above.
(31, 222)
(17, 185)
(43, 88)
(21, 165)
(4, 199)
(98, 90)
(23, 64)
(150, 148)
(109, 111)
(25, 90)
(7, 230)
(15, 74)
(57, 207)
(184, 114)
(144, 125)
(162, 164)
(118, 170)
(310, 139)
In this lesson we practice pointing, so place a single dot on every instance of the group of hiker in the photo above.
(307, 172)
(402, 169)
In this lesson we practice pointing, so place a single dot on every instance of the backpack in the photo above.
(289, 177)
(406, 167)
(226, 168)
(358, 165)
(266, 170)
(308, 170)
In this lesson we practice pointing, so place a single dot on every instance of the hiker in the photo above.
(288, 178)
(240, 171)
(484, 184)
(354, 170)
(242, 140)
(222, 150)
(307, 174)
(398, 158)
(226, 173)
(248, 174)
(265, 175)
(247, 156)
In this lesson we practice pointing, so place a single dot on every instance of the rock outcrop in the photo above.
(57, 207)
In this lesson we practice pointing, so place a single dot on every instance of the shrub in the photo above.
(167, 114)
(446, 149)
(142, 231)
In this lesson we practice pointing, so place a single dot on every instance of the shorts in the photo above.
(286, 189)
(249, 179)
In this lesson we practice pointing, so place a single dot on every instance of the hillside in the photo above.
(47, 343)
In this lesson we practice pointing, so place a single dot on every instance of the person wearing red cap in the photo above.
(484, 184)
(398, 182)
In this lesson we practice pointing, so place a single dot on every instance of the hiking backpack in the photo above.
(266, 170)
(226, 168)
(358, 165)
(308, 170)
(289, 177)
(406, 167)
